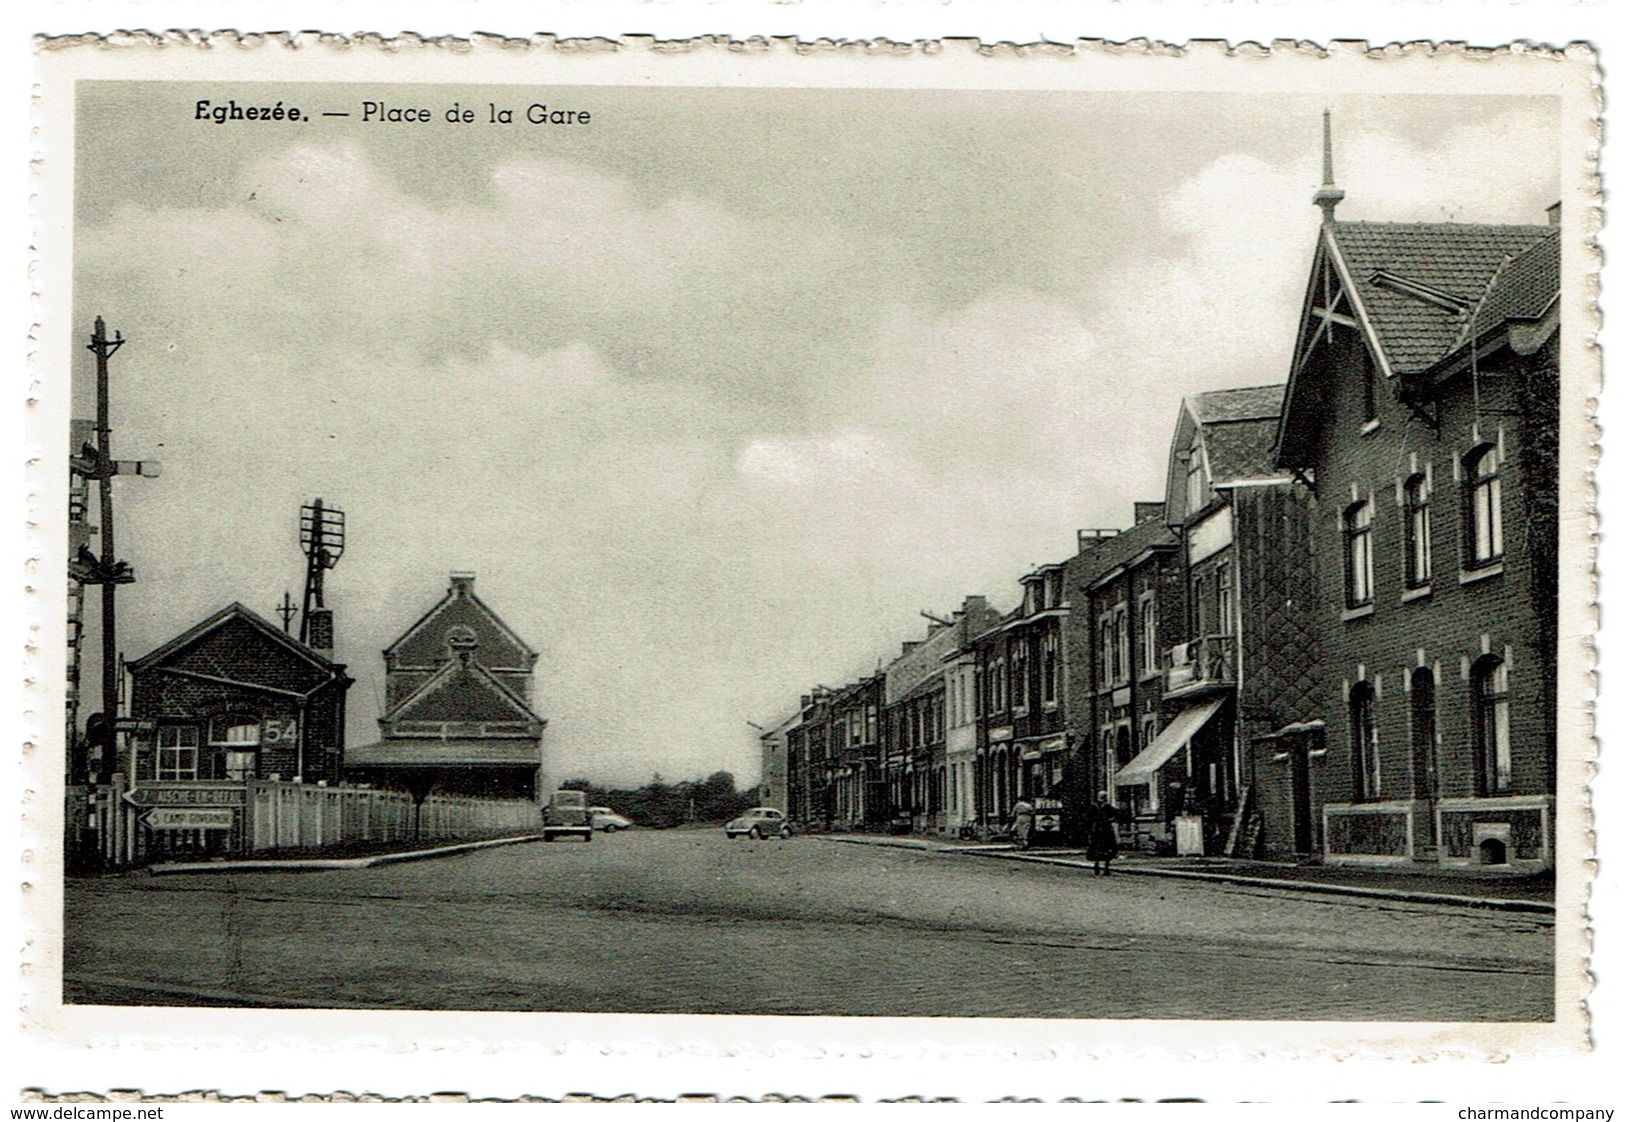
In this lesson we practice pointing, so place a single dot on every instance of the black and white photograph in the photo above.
(969, 541)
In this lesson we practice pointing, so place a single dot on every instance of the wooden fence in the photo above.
(112, 826)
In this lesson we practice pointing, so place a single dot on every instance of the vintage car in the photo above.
(759, 822)
(606, 821)
(566, 815)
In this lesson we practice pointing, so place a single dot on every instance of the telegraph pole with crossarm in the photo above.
(95, 461)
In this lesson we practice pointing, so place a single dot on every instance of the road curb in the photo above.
(1492, 903)
(324, 864)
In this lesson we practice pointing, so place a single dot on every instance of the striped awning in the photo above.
(1168, 742)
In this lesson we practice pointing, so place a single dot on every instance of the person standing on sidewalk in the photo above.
(1100, 828)
(1021, 822)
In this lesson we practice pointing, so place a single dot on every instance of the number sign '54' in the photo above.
(279, 732)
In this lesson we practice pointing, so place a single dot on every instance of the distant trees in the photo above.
(659, 804)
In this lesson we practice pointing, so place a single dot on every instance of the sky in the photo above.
(716, 393)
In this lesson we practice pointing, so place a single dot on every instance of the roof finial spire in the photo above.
(1329, 194)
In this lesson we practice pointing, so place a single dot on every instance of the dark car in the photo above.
(566, 816)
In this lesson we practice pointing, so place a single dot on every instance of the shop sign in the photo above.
(188, 818)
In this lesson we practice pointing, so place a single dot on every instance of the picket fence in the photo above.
(107, 829)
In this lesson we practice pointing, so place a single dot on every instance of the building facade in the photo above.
(1422, 420)
(230, 700)
(459, 717)
(1128, 597)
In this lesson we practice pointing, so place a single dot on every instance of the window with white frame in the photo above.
(1224, 580)
(1018, 674)
(1051, 670)
(177, 752)
(1418, 531)
(1366, 767)
(1121, 649)
(1148, 633)
(1196, 488)
(1481, 481)
(1357, 579)
(1104, 658)
(1492, 734)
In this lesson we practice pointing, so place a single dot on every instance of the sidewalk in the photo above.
(322, 864)
(1500, 891)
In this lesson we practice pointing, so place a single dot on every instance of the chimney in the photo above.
(319, 626)
(1089, 538)
(1148, 512)
(1554, 214)
(462, 585)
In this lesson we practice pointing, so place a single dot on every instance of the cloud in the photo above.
(701, 452)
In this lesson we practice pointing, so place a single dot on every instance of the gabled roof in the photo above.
(1249, 403)
(461, 606)
(1416, 290)
(460, 683)
(1523, 288)
(1455, 259)
(234, 611)
(1236, 429)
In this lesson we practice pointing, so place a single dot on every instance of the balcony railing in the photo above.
(1209, 661)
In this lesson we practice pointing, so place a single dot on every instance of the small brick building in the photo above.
(236, 698)
(231, 700)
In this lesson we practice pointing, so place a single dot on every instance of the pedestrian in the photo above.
(1100, 827)
(1021, 822)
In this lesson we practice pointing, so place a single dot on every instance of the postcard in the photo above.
(765, 547)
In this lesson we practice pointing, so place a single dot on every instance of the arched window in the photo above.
(1481, 479)
(1492, 735)
(1424, 738)
(1418, 532)
(1357, 579)
(1365, 767)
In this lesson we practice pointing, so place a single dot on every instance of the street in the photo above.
(687, 921)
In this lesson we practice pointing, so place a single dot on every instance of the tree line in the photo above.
(659, 804)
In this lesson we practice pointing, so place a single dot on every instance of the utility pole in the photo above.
(95, 461)
(287, 611)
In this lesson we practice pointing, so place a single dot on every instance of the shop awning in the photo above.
(1169, 741)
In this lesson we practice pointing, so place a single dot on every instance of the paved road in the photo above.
(686, 921)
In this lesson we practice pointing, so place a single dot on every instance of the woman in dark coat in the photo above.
(1100, 825)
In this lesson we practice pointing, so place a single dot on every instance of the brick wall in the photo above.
(1449, 627)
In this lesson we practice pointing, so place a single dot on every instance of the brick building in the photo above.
(231, 699)
(1422, 418)
(459, 713)
(774, 790)
(857, 782)
(1127, 594)
(930, 723)
(1241, 663)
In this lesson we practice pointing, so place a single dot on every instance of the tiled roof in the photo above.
(1240, 450)
(1455, 259)
(437, 752)
(1249, 403)
(1522, 289)
(1094, 562)
(232, 611)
